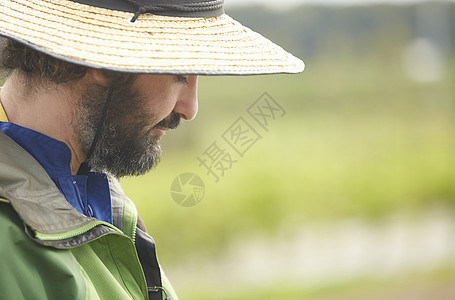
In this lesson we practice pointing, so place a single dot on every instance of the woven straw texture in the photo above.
(103, 38)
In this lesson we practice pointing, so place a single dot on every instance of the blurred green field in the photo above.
(436, 284)
(359, 140)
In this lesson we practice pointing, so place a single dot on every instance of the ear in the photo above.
(98, 77)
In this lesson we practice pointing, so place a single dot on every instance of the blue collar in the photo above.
(89, 194)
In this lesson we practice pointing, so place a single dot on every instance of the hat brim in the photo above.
(107, 39)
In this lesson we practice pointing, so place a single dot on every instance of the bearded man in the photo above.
(92, 86)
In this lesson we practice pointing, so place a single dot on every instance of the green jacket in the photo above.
(48, 250)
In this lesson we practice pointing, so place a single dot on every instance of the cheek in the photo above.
(159, 93)
(164, 105)
(160, 108)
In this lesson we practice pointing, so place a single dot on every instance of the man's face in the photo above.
(137, 118)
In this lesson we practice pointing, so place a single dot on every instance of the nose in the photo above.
(187, 105)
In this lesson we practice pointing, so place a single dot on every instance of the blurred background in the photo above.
(348, 192)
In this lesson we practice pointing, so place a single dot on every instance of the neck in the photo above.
(48, 110)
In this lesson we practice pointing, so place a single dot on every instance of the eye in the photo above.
(182, 79)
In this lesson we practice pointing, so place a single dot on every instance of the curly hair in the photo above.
(38, 66)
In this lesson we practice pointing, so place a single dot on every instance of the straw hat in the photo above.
(144, 36)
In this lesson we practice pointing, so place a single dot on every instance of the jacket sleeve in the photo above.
(32, 271)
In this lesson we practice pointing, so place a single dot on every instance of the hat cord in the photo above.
(85, 168)
(196, 6)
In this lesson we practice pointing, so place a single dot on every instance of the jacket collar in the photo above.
(33, 194)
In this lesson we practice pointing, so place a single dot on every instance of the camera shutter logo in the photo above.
(187, 189)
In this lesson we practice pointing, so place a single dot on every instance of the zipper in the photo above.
(129, 220)
(134, 230)
(73, 233)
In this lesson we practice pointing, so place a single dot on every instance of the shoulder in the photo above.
(124, 212)
(34, 271)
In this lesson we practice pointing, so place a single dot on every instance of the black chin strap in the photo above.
(84, 169)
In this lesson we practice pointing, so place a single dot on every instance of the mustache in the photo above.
(171, 121)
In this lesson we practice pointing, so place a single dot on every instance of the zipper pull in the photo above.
(157, 289)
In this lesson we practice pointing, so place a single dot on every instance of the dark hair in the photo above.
(38, 66)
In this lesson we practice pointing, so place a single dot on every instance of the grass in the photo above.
(359, 139)
(361, 145)
(424, 285)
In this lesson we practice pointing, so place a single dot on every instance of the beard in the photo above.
(125, 143)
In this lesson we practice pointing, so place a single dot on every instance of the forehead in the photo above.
(154, 80)
(157, 87)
